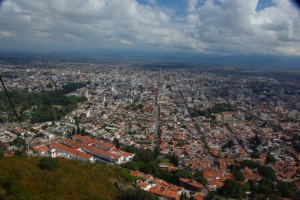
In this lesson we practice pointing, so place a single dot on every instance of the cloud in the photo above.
(234, 26)
(210, 26)
(5, 33)
(126, 42)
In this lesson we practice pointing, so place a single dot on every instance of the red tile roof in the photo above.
(88, 140)
(40, 149)
(102, 152)
(55, 145)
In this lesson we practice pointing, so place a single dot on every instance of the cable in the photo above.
(11, 103)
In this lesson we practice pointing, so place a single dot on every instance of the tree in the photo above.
(255, 140)
(267, 172)
(228, 144)
(78, 130)
(238, 175)
(132, 149)
(179, 173)
(134, 165)
(287, 189)
(137, 194)
(116, 142)
(73, 131)
(19, 153)
(19, 142)
(82, 132)
(150, 168)
(174, 159)
(270, 159)
(144, 156)
(231, 188)
(211, 196)
(183, 196)
(251, 164)
(255, 154)
(50, 164)
(156, 151)
(200, 178)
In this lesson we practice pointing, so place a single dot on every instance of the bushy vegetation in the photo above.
(134, 107)
(42, 106)
(137, 194)
(146, 161)
(214, 110)
(23, 178)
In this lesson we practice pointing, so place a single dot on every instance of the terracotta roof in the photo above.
(249, 174)
(102, 152)
(171, 194)
(41, 149)
(122, 153)
(199, 196)
(216, 183)
(55, 145)
(142, 184)
(158, 190)
(71, 142)
(188, 182)
(93, 141)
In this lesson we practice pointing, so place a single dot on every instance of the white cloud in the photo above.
(229, 26)
(235, 26)
(5, 33)
(126, 42)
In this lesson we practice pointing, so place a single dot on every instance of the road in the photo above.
(202, 136)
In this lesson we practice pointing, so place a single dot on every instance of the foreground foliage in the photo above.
(36, 178)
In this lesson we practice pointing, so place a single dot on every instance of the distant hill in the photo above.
(123, 54)
(23, 178)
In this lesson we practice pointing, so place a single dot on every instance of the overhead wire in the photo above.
(11, 103)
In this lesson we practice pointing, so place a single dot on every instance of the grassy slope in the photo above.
(21, 178)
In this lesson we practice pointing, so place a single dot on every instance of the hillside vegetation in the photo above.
(46, 178)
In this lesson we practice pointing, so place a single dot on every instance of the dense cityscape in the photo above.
(187, 131)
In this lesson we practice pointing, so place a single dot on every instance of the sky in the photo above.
(198, 27)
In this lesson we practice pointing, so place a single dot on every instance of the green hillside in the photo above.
(23, 178)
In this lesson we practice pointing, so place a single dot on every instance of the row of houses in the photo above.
(85, 149)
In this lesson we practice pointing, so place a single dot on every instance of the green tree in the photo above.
(211, 196)
(150, 168)
(267, 172)
(231, 188)
(145, 156)
(200, 178)
(19, 142)
(183, 196)
(20, 153)
(287, 189)
(270, 159)
(137, 194)
(132, 149)
(50, 164)
(238, 175)
(255, 154)
(82, 132)
(228, 144)
(134, 165)
(174, 159)
(116, 142)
